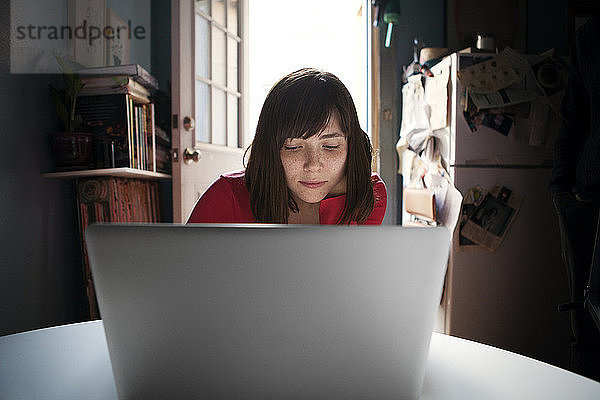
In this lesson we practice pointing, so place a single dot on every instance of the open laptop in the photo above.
(267, 311)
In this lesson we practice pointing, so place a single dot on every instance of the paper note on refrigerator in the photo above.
(490, 221)
(489, 76)
(436, 94)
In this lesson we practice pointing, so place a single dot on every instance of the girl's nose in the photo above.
(312, 161)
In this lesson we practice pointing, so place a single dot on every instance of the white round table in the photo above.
(72, 362)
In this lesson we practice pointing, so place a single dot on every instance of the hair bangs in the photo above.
(309, 110)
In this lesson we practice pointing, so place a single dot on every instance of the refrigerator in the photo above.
(506, 298)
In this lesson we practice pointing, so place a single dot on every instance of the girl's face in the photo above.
(315, 167)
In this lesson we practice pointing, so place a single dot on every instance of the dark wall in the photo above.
(547, 26)
(40, 261)
(161, 41)
(41, 280)
(161, 69)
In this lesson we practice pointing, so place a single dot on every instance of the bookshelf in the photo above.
(118, 129)
(128, 155)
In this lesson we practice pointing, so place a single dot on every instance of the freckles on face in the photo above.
(315, 167)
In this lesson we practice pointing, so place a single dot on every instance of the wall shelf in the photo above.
(120, 172)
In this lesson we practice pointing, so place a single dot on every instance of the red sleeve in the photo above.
(216, 205)
(380, 193)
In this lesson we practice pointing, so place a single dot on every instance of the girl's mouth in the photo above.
(313, 184)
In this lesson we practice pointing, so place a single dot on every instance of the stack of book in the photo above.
(136, 72)
(115, 84)
(113, 199)
(116, 106)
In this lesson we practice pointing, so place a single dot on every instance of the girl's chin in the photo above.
(309, 199)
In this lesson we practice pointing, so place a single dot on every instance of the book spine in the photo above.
(135, 201)
(133, 135)
(140, 137)
(143, 198)
(148, 132)
(153, 128)
(140, 142)
(152, 137)
(136, 137)
(143, 138)
(149, 204)
(129, 131)
(148, 137)
(113, 201)
(99, 212)
(155, 201)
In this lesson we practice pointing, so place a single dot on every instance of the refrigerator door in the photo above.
(509, 298)
(486, 146)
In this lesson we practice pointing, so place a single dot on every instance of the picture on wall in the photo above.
(118, 40)
(87, 20)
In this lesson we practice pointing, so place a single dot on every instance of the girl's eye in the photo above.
(291, 147)
(328, 147)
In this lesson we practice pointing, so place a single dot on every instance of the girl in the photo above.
(310, 162)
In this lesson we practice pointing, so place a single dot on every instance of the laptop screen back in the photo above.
(267, 312)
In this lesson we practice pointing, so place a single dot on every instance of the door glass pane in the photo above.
(203, 5)
(218, 11)
(218, 56)
(202, 112)
(202, 47)
(219, 108)
(232, 64)
(281, 43)
(232, 19)
(232, 121)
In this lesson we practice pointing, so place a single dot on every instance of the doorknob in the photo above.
(191, 155)
(188, 123)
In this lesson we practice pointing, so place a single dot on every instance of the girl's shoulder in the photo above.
(379, 188)
(235, 175)
(375, 178)
(236, 180)
(226, 200)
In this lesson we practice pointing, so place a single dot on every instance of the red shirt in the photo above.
(228, 200)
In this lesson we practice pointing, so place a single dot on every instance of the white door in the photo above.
(207, 49)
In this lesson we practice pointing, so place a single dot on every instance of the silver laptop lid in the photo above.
(267, 312)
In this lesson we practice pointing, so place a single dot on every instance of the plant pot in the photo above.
(72, 150)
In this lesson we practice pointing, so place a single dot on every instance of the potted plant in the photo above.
(72, 148)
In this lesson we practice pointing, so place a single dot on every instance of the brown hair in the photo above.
(301, 105)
